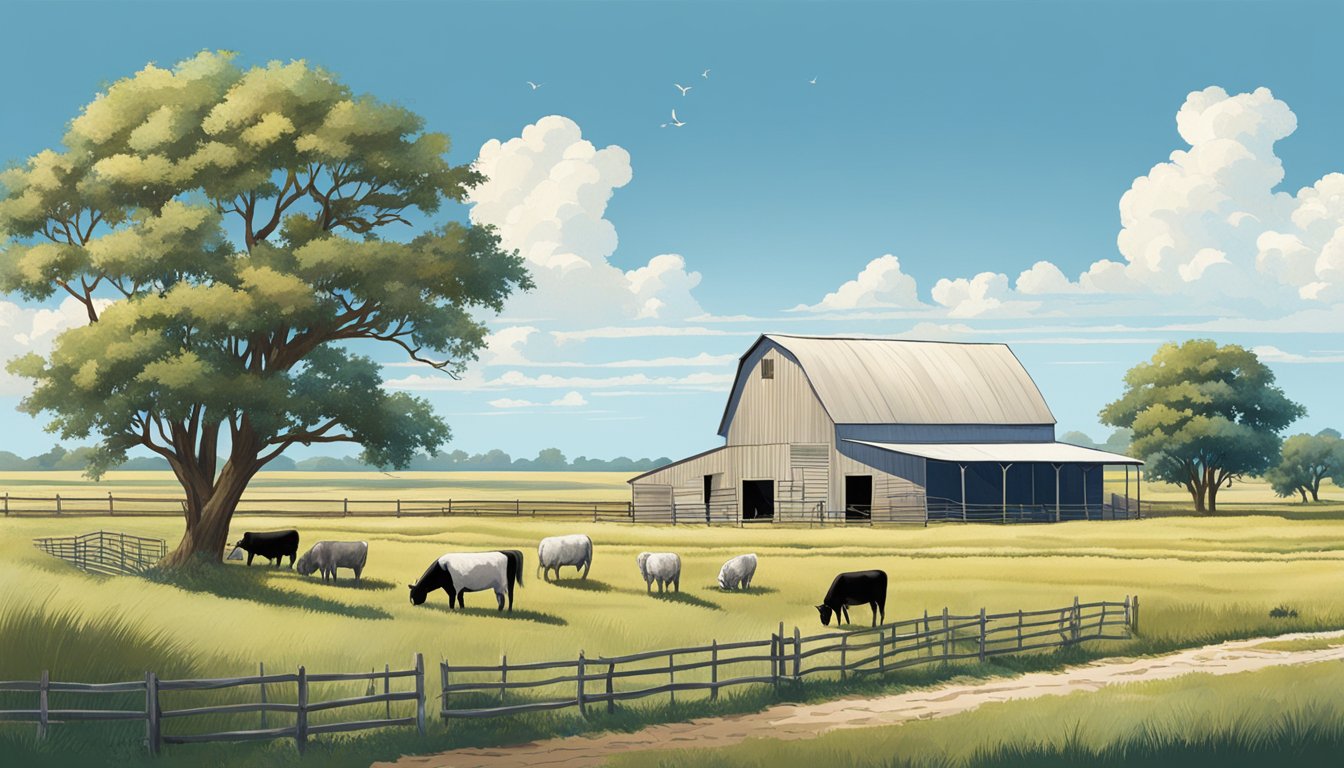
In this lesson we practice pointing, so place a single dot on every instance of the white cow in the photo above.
(477, 572)
(662, 567)
(555, 551)
(737, 572)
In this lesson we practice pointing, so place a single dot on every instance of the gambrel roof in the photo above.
(896, 381)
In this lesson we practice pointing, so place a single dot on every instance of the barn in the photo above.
(832, 429)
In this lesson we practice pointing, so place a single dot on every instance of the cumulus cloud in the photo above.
(983, 293)
(546, 194)
(880, 284)
(1272, 354)
(1044, 278)
(569, 400)
(34, 329)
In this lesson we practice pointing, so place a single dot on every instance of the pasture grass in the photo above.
(1281, 716)
(1200, 581)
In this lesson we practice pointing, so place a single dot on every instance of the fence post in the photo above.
(982, 634)
(58, 503)
(844, 655)
(420, 693)
(345, 506)
(6, 503)
(111, 511)
(797, 655)
(780, 674)
(387, 689)
(1127, 619)
(583, 706)
(928, 641)
(43, 704)
(882, 648)
(947, 639)
(443, 690)
(611, 701)
(301, 717)
(671, 678)
(713, 670)
(261, 672)
(1019, 629)
(503, 676)
(152, 735)
(1134, 616)
(1075, 621)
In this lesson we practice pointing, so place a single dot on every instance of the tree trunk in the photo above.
(1214, 484)
(1197, 491)
(207, 536)
(1303, 491)
(1315, 490)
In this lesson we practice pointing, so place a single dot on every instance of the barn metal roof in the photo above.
(1053, 453)
(896, 381)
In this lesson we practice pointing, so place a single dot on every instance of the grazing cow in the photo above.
(326, 556)
(662, 567)
(737, 572)
(855, 588)
(272, 545)
(555, 551)
(460, 572)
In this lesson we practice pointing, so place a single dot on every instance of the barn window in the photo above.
(767, 369)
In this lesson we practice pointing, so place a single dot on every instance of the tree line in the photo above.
(547, 460)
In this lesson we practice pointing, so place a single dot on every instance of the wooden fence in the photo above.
(583, 682)
(111, 505)
(105, 552)
(287, 694)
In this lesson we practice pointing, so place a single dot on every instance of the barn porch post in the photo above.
(1056, 466)
(1087, 513)
(963, 492)
(1004, 469)
(1126, 490)
(1138, 489)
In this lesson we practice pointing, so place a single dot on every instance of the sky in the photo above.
(1083, 181)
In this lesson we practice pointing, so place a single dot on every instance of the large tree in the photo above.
(235, 237)
(1305, 461)
(1201, 415)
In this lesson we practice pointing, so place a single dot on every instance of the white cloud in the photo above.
(546, 194)
(1044, 278)
(569, 400)
(34, 329)
(880, 284)
(1272, 354)
(983, 293)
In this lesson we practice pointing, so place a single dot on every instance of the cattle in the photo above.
(737, 572)
(555, 551)
(460, 572)
(662, 567)
(515, 571)
(855, 588)
(272, 545)
(326, 556)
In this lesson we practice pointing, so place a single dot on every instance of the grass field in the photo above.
(1200, 580)
(1292, 715)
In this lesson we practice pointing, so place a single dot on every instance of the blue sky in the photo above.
(967, 141)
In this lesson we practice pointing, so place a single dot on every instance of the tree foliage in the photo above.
(1202, 414)
(1305, 461)
(232, 235)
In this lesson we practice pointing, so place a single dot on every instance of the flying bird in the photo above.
(675, 121)
(705, 74)
(535, 86)
(683, 88)
(813, 81)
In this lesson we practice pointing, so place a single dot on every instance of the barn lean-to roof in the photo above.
(897, 381)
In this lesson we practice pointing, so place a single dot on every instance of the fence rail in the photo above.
(491, 690)
(155, 693)
(108, 553)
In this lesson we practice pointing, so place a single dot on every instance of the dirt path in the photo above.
(803, 721)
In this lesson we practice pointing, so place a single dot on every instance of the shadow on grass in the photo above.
(583, 585)
(747, 591)
(685, 598)
(491, 613)
(251, 585)
(365, 585)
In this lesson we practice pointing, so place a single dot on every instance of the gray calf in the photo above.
(327, 556)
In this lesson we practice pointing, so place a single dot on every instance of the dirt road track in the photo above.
(803, 721)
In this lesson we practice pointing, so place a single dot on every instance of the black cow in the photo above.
(515, 575)
(855, 588)
(272, 545)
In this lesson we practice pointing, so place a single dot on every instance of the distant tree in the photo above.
(228, 232)
(1305, 461)
(1118, 442)
(550, 459)
(1202, 414)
